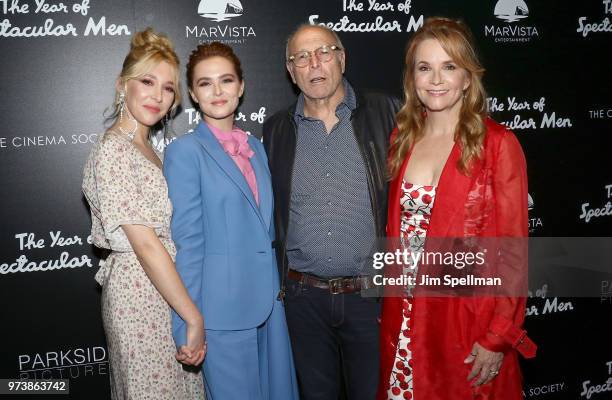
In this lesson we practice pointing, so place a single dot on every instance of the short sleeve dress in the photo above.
(123, 187)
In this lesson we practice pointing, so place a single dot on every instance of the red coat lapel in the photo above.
(451, 194)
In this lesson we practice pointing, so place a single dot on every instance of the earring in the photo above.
(165, 124)
(130, 134)
(121, 104)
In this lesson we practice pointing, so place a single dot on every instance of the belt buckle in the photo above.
(335, 285)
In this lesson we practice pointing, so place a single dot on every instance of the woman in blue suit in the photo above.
(219, 185)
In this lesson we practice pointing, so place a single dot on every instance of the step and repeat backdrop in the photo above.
(548, 79)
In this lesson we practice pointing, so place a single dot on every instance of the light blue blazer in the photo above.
(223, 238)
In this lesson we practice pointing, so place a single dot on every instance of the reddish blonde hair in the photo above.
(456, 40)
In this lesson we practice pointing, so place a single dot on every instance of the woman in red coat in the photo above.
(455, 173)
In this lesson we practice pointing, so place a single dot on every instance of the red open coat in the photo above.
(444, 329)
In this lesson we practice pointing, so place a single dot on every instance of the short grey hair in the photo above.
(305, 25)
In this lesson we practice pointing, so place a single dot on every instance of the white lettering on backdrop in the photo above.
(94, 27)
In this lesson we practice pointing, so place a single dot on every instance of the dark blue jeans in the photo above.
(334, 339)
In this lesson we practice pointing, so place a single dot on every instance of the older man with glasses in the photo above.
(327, 156)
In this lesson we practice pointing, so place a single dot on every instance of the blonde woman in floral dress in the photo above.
(128, 197)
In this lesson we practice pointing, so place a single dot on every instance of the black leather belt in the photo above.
(344, 284)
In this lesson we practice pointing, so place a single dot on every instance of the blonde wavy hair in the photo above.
(147, 49)
(456, 40)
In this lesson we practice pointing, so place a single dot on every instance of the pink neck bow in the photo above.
(235, 143)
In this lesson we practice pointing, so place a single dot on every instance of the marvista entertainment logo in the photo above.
(533, 222)
(220, 10)
(511, 10)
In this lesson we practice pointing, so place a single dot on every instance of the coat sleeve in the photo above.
(182, 172)
(510, 192)
(510, 188)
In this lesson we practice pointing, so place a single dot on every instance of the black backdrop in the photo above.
(548, 78)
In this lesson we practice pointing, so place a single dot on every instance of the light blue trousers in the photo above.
(252, 364)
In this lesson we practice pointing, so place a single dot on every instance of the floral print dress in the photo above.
(416, 207)
(122, 186)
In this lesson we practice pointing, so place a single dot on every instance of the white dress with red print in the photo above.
(416, 206)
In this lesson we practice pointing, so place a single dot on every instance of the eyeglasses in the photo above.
(323, 54)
